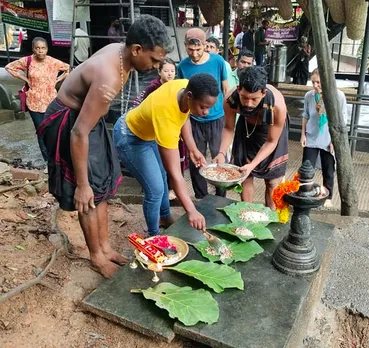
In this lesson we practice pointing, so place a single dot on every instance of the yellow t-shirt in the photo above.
(158, 117)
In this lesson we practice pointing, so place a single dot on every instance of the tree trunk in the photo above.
(338, 130)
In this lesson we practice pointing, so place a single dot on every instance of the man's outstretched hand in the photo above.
(197, 158)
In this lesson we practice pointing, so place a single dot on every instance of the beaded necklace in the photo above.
(123, 109)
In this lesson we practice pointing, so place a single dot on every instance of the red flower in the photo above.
(284, 188)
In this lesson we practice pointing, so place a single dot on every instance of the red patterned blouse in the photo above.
(42, 76)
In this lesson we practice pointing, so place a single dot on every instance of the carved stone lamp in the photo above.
(296, 254)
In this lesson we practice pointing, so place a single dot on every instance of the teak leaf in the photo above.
(245, 231)
(215, 276)
(187, 305)
(250, 213)
(241, 252)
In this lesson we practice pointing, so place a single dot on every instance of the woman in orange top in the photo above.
(41, 77)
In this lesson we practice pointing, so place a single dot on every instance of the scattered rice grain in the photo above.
(253, 216)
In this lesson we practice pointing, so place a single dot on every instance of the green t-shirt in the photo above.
(233, 79)
(260, 37)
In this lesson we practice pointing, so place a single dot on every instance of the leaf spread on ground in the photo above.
(215, 276)
(250, 213)
(244, 231)
(241, 252)
(187, 305)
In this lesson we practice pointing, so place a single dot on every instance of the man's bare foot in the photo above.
(115, 257)
(166, 222)
(105, 268)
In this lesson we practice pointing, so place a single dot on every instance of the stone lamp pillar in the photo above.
(296, 254)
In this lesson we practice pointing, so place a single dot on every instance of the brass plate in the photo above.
(181, 245)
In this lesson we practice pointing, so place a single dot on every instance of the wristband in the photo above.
(222, 154)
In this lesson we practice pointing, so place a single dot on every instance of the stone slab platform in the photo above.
(261, 316)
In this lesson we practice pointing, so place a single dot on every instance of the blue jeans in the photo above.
(142, 159)
(37, 118)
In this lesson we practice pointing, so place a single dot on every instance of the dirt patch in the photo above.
(51, 316)
(333, 328)
(354, 329)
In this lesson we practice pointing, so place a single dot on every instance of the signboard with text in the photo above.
(35, 19)
(282, 33)
(61, 31)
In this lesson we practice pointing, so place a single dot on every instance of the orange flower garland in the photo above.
(282, 189)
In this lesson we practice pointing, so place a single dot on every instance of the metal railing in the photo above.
(336, 50)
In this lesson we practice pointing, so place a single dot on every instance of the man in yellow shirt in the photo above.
(146, 139)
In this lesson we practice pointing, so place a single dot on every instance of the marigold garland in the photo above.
(282, 189)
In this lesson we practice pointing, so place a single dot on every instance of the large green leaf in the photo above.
(250, 213)
(245, 231)
(215, 276)
(241, 252)
(187, 305)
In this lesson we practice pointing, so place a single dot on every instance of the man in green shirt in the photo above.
(260, 42)
(245, 59)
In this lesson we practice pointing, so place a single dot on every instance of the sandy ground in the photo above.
(50, 316)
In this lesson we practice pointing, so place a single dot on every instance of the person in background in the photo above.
(261, 43)
(213, 46)
(239, 37)
(232, 51)
(167, 72)
(248, 39)
(231, 41)
(84, 170)
(245, 59)
(81, 46)
(315, 136)
(206, 130)
(146, 140)
(260, 141)
(187, 23)
(301, 71)
(41, 76)
(113, 31)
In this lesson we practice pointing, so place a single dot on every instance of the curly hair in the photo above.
(202, 85)
(149, 32)
(253, 79)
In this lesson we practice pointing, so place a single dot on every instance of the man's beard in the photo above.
(248, 112)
